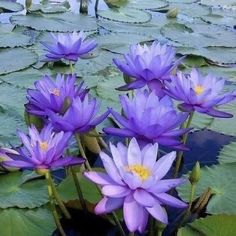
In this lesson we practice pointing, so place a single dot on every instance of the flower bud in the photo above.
(172, 13)
(195, 174)
(33, 120)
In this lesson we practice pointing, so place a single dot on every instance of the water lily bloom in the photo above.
(80, 117)
(53, 94)
(148, 65)
(69, 46)
(199, 93)
(149, 119)
(42, 150)
(134, 180)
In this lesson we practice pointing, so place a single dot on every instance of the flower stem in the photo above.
(78, 188)
(52, 204)
(57, 197)
(82, 152)
(71, 68)
(184, 140)
(89, 168)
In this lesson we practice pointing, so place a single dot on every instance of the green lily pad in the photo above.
(67, 190)
(220, 20)
(28, 195)
(22, 222)
(49, 8)
(129, 15)
(10, 6)
(182, 1)
(221, 179)
(10, 38)
(203, 36)
(118, 43)
(228, 154)
(201, 121)
(222, 125)
(218, 3)
(63, 22)
(147, 4)
(220, 225)
(216, 55)
(9, 59)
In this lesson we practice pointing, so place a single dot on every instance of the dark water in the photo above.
(204, 147)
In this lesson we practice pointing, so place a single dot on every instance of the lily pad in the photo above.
(147, 4)
(129, 15)
(220, 225)
(28, 195)
(10, 6)
(22, 222)
(63, 22)
(118, 43)
(224, 126)
(9, 59)
(228, 154)
(10, 38)
(220, 20)
(67, 190)
(221, 179)
(218, 3)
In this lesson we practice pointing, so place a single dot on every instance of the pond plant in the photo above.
(124, 161)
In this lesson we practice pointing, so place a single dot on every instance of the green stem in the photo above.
(184, 140)
(57, 197)
(78, 188)
(159, 232)
(115, 218)
(89, 168)
(52, 204)
(191, 198)
(82, 152)
(71, 68)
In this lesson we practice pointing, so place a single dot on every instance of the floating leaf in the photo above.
(63, 22)
(128, 15)
(220, 20)
(10, 6)
(220, 225)
(9, 59)
(224, 126)
(221, 179)
(67, 190)
(22, 222)
(28, 195)
(146, 5)
(228, 154)
(218, 3)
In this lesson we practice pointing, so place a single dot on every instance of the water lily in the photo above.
(50, 94)
(149, 119)
(147, 65)
(199, 93)
(134, 180)
(41, 150)
(68, 46)
(80, 117)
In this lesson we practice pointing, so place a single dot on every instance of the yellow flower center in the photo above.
(198, 89)
(55, 92)
(43, 146)
(140, 170)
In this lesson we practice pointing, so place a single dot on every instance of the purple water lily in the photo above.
(53, 94)
(80, 117)
(148, 65)
(69, 46)
(149, 119)
(134, 181)
(199, 93)
(42, 150)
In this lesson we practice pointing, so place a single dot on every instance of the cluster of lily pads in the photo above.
(157, 109)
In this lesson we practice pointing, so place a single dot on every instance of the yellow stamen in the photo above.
(198, 89)
(140, 170)
(43, 146)
(55, 92)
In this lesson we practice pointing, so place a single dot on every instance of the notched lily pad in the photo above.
(228, 154)
(63, 22)
(28, 195)
(10, 6)
(221, 179)
(129, 15)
